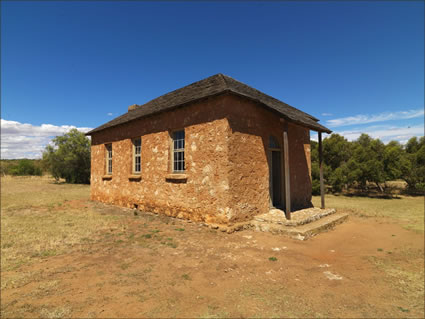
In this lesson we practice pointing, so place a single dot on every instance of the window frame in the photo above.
(177, 150)
(135, 155)
(108, 158)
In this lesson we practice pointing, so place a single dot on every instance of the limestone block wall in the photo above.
(249, 156)
(203, 196)
(226, 156)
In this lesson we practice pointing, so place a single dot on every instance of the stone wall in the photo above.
(202, 196)
(227, 162)
(252, 125)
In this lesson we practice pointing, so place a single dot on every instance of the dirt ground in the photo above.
(150, 265)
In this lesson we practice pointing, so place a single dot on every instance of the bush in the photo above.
(69, 158)
(367, 161)
(337, 179)
(315, 187)
(25, 167)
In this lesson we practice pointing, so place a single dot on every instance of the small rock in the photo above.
(332, 276)
(324, 266)
(299, 237)
(276, 249)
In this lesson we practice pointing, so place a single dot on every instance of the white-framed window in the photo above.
(108, 148)
(178, 151)
(137, 155)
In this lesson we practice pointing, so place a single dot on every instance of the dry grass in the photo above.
(407, 210)
(407, 277)
(37, 220)
(33, 191)
(41, 219)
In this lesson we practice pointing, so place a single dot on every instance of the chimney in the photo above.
(132, 107)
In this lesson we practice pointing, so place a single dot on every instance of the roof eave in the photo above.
(229, 90)
(317, 129)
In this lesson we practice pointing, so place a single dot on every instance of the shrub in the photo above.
(69, 158)
(25, 167)
(315, 187)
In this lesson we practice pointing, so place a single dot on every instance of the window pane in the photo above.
(108, 154)
(178, 150)
(137, 164)
(137, 142)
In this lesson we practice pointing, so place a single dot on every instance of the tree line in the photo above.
(22, 167)
(357, 164)
(67, 157)
(367, 161)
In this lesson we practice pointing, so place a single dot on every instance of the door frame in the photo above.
(282, 176)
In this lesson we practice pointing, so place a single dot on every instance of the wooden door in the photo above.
(276, 176)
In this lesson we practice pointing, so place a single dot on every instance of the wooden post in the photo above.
(287, 177)
(322, 186)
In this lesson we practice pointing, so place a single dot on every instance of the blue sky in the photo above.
(358, 66)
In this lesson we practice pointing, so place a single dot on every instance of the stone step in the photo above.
(305, 231)
(300, 217)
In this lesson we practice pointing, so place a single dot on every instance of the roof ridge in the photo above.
(213, 85)
(223, 79)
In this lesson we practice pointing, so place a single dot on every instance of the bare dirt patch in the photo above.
(155, 266)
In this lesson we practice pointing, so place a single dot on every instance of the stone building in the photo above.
(216, 151)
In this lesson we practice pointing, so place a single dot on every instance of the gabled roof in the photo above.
(214, 85)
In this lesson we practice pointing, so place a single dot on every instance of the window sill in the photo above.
(106, 177)
(176, 177)
(135, 177)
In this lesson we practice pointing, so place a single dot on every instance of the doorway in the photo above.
(276, 176)
(276, 190)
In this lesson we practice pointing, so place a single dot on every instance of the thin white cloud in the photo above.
(381, 117)
(327, 114)
(391, 133)
(23, 140)
(110, 114)
(385, 133)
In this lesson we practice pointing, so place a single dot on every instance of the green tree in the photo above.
(25, 167)
(413, 172)
(366, 164)
(315, 169)
(394, 160)
(336, 151)
(69, 158)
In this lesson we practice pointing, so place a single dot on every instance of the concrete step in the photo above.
(305, 231)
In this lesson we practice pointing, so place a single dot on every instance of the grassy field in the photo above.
(408, 211)
(65, 256)
(37, 222)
